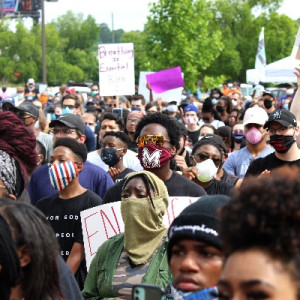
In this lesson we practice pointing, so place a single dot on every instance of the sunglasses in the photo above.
(199, 157)
(68, 106)
(157, 139)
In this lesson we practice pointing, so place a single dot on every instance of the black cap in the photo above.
(268, 93)
(284, 117)
(28, 107)
(71, 121)
(198, 221)
(217, 139)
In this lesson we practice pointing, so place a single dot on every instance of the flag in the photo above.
(260, 61)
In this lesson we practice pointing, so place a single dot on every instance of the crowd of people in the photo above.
(63, 153)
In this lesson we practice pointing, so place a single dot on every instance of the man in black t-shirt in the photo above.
(63, 209)
(283, 130)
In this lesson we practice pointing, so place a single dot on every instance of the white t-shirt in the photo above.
(130, 160)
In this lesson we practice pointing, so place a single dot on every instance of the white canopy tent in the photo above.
(281, 71)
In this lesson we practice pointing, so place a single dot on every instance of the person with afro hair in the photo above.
(259, 231)
(158, 137)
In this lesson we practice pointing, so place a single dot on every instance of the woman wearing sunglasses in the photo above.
(139, 255)
(206, 160)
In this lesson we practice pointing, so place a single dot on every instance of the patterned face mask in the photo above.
(62, 174)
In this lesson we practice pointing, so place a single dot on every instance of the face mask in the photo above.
(92, 128)
(238, 137)
(268, 103)
(281, 143)
(253, 136)
(109, 156)
(67, 110)
(234, 102)
(172, 108)
(93, 93)
(20, 96)
(191, 120)
(286, 106)
(207, 170)
(214, 101)
(219, 108)
(36, 125)
(153, 157)
(62, 174)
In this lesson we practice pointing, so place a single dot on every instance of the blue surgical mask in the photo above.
(67, 110)
(286, 106)
(36, 124)
(93, 93)
(20, 96)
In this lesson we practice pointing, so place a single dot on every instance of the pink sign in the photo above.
(165, 80)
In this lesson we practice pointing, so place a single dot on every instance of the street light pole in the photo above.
(43, 43)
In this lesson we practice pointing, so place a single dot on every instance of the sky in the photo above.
(128, 14)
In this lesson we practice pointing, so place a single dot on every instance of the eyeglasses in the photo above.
(110, 105)
(199, 157)
(133, 120)
(65, 131)
(281, 130)
(68, 106)
(157, 139)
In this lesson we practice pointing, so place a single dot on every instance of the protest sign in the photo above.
(165, 80)
(296, 48)
(116, 69)
(104, 221)
(174, 93)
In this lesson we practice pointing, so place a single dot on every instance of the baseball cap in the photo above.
(255, 115)
(70, 90)
(191, 107)
(30, 108)
(284, 117)
(198, 221)
(30, 81)
(91, 100)
(69, 120)
(217, 139)
(8, 100)
(268, 93)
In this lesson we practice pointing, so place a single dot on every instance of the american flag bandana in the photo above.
(62, 174)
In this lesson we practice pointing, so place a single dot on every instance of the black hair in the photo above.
(77, 148)
(42, 150)
(265, 214)
(111, 116)
(119, 135)
(152, 104)
(209, 126)
(216, 90)
(139, 97)
(207, 142)
(9, 261)
(228, 103)
(147, 183)
(40, 278)
(163, 120)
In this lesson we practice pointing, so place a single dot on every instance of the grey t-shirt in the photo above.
(238, 162)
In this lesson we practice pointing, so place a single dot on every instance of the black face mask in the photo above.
(219, 108)
(268, 103)
(281, 143)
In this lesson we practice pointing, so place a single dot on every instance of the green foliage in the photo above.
(178, 33)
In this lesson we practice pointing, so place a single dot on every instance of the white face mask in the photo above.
(36, 124)
(92, 128)
(207, 170)
(172, 108)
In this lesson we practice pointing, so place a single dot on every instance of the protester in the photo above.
(269, 102)
(138, 102)
(223, 107)
(139, 254)
(238, 136)
(158, 139)
(111, 122)
(92, 177)
(283, 130)
(31, 92)
(206, 129)
(206, 160)
(131, 121)
(191, 120)
(225, 133)
(63, 209)
(259, 231)
(9, 262)
(194, 248)
(238, 162)
(114, 147)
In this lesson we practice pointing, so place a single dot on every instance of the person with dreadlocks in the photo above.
(18, 157)
(9, 261)
(139, 254)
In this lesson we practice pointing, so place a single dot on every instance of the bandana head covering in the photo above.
(8, 172)
(143, 219)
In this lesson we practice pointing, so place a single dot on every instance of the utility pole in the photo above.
(43, 43)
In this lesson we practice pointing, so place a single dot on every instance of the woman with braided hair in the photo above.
(260, 236)
(18, 157)
(139, 254)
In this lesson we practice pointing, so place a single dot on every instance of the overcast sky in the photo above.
(128, 14)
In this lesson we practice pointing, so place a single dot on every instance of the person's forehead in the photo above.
(238, 127)
(153, 129)
(62, 150)
(108, 122)
(69, 102)
(111, 139)
(89, 119)
(135, 182)
(209, 149)
(193, 243)
(190, 113)
(136, 101)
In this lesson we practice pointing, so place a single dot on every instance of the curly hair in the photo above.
(77, 148)
(163, 120)
(207, 142)
(265, 214)
(119, 135)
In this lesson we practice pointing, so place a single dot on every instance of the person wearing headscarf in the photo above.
(139, 254)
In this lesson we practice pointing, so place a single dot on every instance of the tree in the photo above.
(178, 33)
